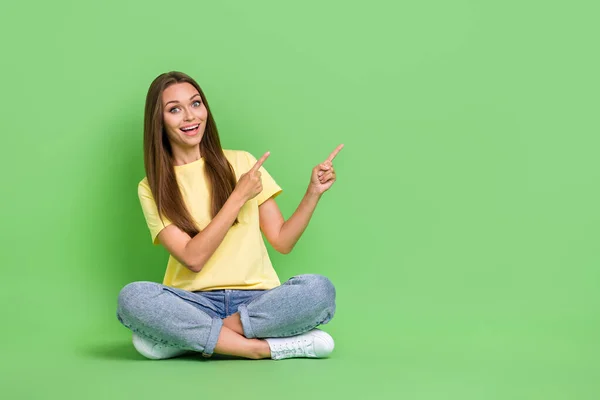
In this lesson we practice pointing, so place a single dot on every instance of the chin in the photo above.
(198, 140)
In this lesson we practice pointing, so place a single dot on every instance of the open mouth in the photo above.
(190, 130)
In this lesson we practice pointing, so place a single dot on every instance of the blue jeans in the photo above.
(193, 320)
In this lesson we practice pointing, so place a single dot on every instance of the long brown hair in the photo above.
(158, 158)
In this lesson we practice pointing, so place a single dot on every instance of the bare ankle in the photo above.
(261, 350)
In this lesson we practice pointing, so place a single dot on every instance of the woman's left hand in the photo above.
(323, 175)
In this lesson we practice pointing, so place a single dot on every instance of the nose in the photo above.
(189, 115)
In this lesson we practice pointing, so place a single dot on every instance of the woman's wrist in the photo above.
(237, 199)
(313, 192)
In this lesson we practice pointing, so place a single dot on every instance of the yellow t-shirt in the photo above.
(241, 261)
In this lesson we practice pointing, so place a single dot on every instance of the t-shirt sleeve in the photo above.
(150, 212)
(270, 187)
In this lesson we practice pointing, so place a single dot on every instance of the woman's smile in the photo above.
(190, 130)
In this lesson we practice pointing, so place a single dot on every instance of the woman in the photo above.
(207, 207)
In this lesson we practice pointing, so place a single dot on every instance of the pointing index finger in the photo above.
(335, 152)
(261, 161)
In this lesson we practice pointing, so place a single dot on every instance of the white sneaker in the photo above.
(312, 344)
(154, 350)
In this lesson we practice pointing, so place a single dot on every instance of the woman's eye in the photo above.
(196, 103)
(172, 110)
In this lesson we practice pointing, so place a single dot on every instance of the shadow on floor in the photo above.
(126, 351)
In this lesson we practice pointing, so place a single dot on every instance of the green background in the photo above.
(462, 233)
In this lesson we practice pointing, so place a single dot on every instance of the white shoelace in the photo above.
(292, 348)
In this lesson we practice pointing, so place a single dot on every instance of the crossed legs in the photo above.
(158, 313)
(232, 341)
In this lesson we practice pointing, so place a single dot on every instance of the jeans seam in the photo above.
(147, 335)
(227, 296)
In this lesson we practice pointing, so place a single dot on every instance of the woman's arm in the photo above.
(283, 235)
(195, 252)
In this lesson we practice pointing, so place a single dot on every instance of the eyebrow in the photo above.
(175, 101)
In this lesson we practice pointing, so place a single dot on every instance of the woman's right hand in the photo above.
(250, 183)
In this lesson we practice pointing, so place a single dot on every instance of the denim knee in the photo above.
(132, 297)
(321, 290)
(320, 285)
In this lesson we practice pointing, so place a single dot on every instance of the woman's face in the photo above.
(184, 115)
